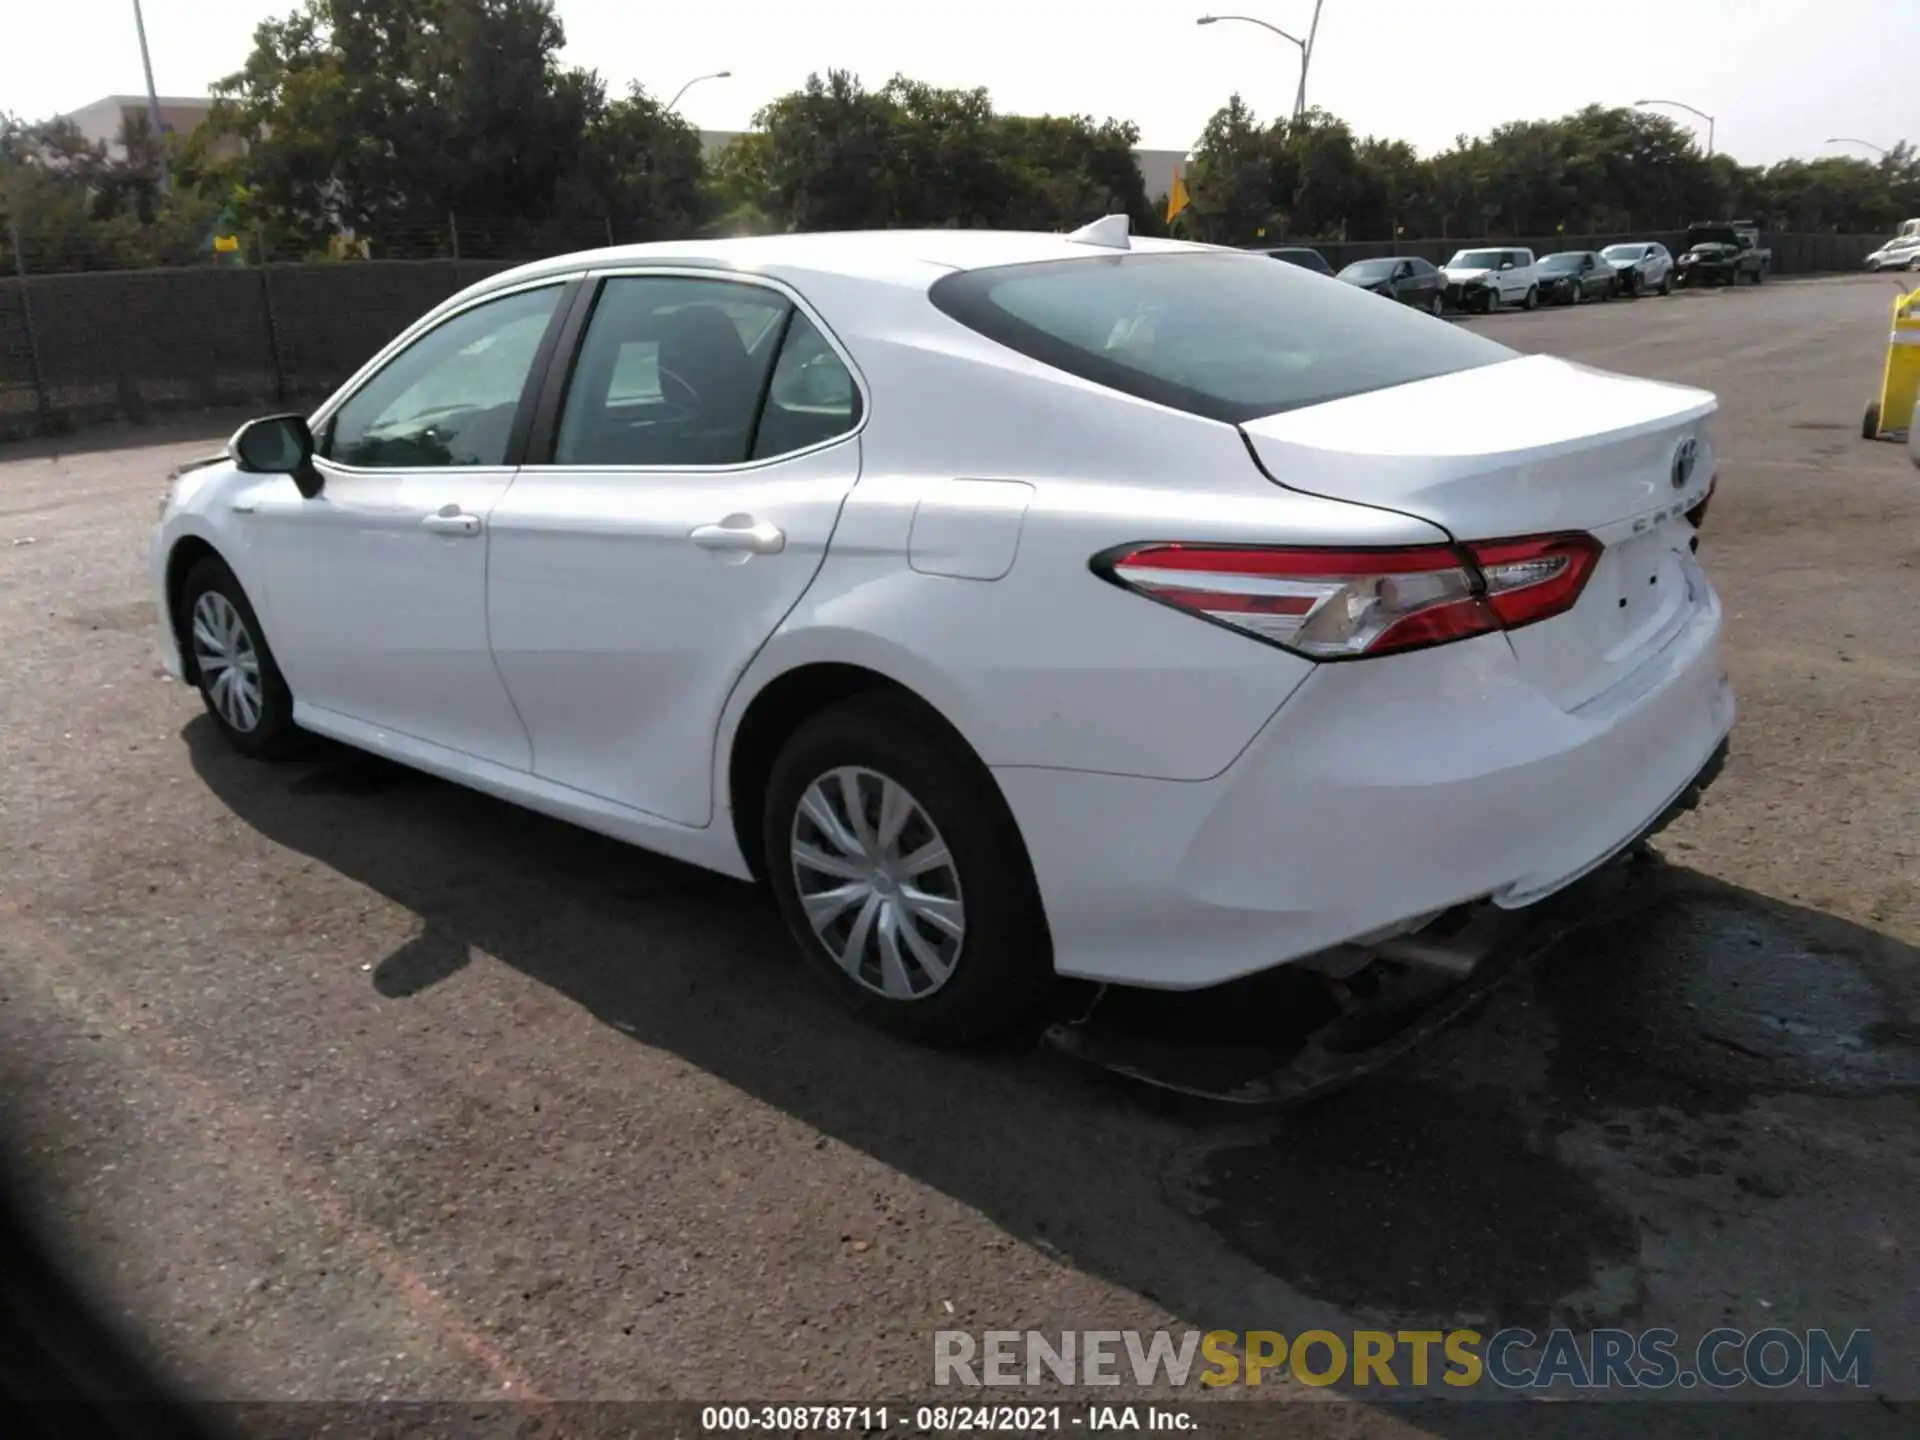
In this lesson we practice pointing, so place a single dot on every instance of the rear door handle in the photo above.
(452, 522)
(742, 534)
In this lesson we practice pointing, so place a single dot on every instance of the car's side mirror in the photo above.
(1506, 264)
(277, 445)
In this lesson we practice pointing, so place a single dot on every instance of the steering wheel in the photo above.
(692, 403)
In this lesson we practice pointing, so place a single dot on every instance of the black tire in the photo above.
(1003, 968)
(1490, 302)
(273, 734)
(1870, 421)
(1634, 283)
(1760, 276)
(1666, 284)
(1436, 308)
(1533, 298)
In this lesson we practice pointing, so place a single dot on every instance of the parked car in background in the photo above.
(1641, 266)
(1302, 256)
(1406, 278)
(678, 542)
(1487, 279)
(1723, 254)
(1900, 253)
(1572, 276)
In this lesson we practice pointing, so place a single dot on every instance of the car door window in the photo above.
(671, 373)
(449, 398)
(812, 398)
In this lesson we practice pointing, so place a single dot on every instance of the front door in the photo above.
(696, 472)
(376, 587)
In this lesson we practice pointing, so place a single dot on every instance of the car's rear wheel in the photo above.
(1870, 421)
(902, 875)
(1666, 284)
(225, 654)
(1533, 297)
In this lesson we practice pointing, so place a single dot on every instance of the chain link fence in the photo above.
(79, 350)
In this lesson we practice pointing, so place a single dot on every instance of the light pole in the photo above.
(1300, 98)
(1682, 105)
(1879, 150)
(153, 101)
(716, 75)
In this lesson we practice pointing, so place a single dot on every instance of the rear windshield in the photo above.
(1229, 337)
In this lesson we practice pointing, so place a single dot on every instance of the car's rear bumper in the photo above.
(1382, 793)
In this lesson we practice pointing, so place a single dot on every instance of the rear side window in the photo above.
(1230, 337)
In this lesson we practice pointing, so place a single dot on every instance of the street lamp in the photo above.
(716, 75)
(1306, 47)
(1682, 105)
(153, 101)
(1879, 150)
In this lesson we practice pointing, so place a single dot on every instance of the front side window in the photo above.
(1225, 336)
(449, 398)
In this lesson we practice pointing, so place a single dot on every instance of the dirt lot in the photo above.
(343, 1083)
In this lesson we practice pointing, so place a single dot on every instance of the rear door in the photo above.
(1533, 446)
(684, 475)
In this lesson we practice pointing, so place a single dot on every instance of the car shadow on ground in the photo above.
(1461, 1187)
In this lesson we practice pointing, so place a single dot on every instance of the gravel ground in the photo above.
(341, 1083)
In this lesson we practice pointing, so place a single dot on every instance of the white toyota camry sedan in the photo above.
(1015, 605)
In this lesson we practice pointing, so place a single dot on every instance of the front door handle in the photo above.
(451, 520)
(742, 534)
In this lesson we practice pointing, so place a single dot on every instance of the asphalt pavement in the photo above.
(341, 1083)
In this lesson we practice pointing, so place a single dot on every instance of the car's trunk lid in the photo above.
(1530, 446)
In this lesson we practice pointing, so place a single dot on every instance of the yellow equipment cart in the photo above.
(1888, 413)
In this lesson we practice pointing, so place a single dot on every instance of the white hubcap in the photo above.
(229, 665)
(877, 883)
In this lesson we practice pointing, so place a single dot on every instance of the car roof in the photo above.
(906, 257)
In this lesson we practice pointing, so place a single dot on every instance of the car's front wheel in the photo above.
(902, 876)
(1436, 306)
(225, 654)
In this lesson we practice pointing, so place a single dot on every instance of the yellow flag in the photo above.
(1177, 198)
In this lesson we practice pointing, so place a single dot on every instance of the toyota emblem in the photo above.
(1683, 462)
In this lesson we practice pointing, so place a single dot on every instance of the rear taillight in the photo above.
(1344, 604)
(1698, 513)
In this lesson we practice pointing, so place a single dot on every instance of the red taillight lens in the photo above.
(1342, 604)
(1529, 580)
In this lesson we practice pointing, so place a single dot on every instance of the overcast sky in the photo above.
(1780, 75)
